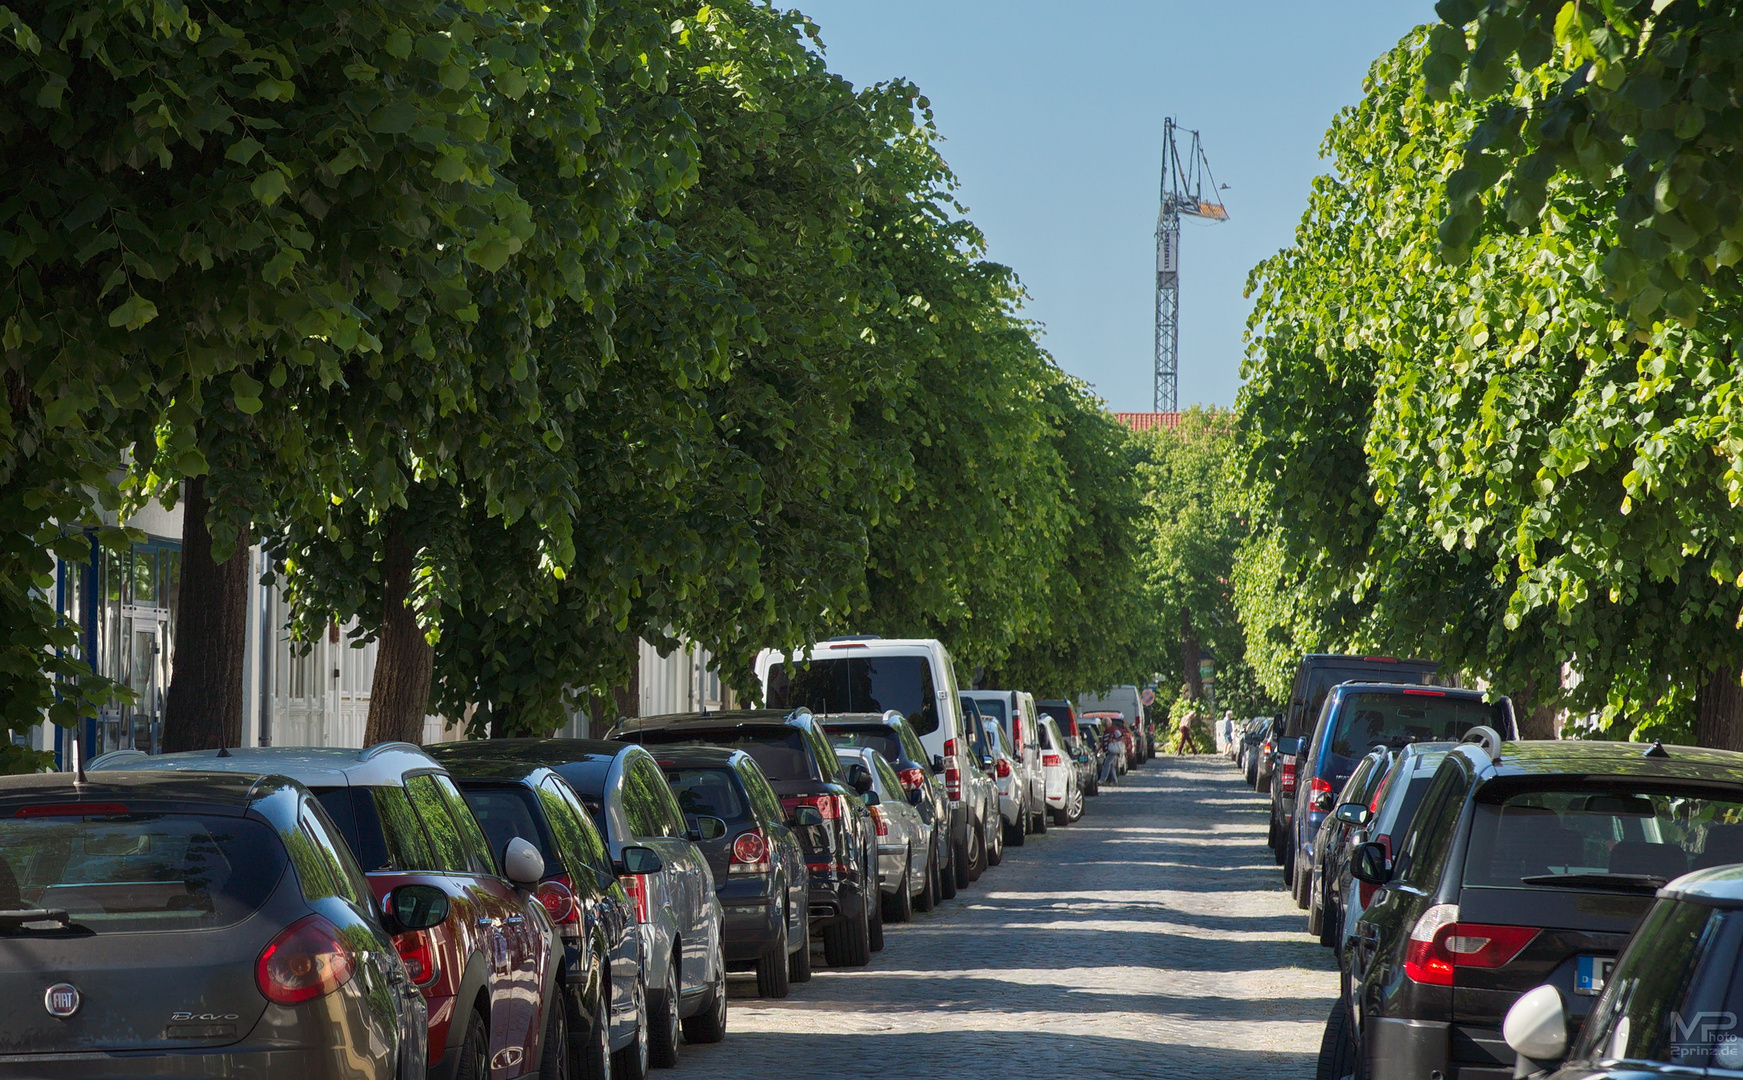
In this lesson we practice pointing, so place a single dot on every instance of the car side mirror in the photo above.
(1536, 1029)
(806, 816)
(640, 860)
(986, 763)
(414, 907)
(1323, 801)
(1353, 813)
(916, 797)
(872, 799)
(859, 778)
(1368, 864)
(937, 763)
(522, 863)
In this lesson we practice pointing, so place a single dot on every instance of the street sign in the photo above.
(1147, 696)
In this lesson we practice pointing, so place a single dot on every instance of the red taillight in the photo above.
(1368, 890)
(829, 868)
(1004, 767)
(1427, 693)
(1317, 785)
(878, 818)
(913, 779)
(952, 780)
(1052, 759)
(304, 962)
(559, 900)
(419, 956)
(637, 888)
(750, 854)
(949, 748)
(1439, 943)
(1286, 776)
(830, 806)
(88, 809)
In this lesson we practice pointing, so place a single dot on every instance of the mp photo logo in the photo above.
(1705, 1035)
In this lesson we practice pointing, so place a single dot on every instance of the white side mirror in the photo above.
(522, 863)
(1536, 1026)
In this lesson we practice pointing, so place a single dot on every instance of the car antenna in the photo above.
(76, 747)
(1656, 750)
(223, 751)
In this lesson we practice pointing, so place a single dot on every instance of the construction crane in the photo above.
(1184, 181)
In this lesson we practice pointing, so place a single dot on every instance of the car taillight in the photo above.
(829, 868)
(952, 780)
(1439, 943)
(832, 807)
(1052, 759)
(87, 809)
(750, 854)
(419, 956)
(1004, 768)
(307, 960)
(1368, 890)
(559, 900)
(637, 889)
(913, 779)
(1317, 785)
(1286, 776)
(878, 819)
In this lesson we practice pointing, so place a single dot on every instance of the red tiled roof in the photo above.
(1149, 421)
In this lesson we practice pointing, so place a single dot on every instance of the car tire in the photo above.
(1304, 889)
(1331, 920)
(799, 960)
(1061, 816)
(995, 848)
(928, 898)
(663, 1024)
(1073, 807)
(593, 1050)
(774, 976)
(900, 907)
(1094, 786)
(874, 921)
(1038, 825)
(1315, 913)
(1339, 1057)
(708, 1025)
(631, 1063)
(474, 1060)
(977, 855)
(847, 942)
(1017, 833)
(958, 868)
(554, 1063)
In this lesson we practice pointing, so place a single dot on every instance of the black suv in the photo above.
(1530, 863)
(826, 809)
(890, 734)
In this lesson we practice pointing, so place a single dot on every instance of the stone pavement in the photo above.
(1152, 939)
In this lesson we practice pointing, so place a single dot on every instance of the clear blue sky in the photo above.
(1053, 114)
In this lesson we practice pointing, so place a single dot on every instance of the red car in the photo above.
(488, 971)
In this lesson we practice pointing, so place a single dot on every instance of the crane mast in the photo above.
(1183, 180)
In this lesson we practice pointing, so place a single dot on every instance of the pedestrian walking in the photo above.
(1186, 742)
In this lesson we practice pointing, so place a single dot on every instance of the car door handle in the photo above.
(515, 920)
(488, 921)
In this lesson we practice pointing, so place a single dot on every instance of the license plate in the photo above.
(1591, 973)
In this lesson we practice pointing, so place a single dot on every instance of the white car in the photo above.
(1064, 798)
(904, 838)
(1013, 808)
(1016, 713)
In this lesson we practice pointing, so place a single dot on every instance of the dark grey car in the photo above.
(197, 924)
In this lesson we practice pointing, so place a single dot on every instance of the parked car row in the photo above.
(1506, 908)
(506, 907)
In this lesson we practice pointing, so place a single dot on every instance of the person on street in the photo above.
(1186, 724)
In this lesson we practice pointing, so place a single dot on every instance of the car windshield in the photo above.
(129, 873)
(1585, 837)
(1401, 791)
(780, 751)
(859, 684)
(711, 792)
(884, 740)
(1406, 716)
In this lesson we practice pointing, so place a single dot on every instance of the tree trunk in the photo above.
(204, 706)
(1189, 656)
(1536, 721)
(399, 694)
(629, 695)
(1719, 710)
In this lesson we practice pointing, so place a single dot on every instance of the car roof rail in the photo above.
(1487, 738)
(382, 747)
(107, 761)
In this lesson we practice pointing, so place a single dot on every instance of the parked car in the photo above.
(890, 734)
(152, 917)
(1356, 716)
(1096, 743)
(1008, 776)
(1252, 735)
(823, 801)
(1064, 718)
(981, 784)
(1529, 863)
(654, 857)
(514, 796)
(904, 837)
(1015, 712)
(1390, 812)
(914, 676)
(488, 968)
(1670, 1004)
(1265, 768)
(1314, 678)
(1127, 701)
(1352, 810)
(1064, 771)
(757, 861)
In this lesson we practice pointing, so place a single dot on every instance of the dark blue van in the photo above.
(1356, 717)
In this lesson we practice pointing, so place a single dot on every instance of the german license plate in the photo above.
(1591, 973)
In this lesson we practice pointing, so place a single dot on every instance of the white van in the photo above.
(913, 676)
(1015, 712)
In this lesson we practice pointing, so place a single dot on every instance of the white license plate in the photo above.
(1591, 973)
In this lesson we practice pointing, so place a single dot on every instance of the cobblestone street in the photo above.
(1151, 939)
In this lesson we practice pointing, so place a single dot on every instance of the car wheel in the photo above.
(847, 942)
(995, 848)
(663, 1019)
(1061, 816)
(1094, 786)
(928, 898)
(958, 868)
(1339, 1057)
(1315, 914)
(1331, 919)
(709, 1023)
(1074, 806)
(554, 1053)
(874, 919)
(900, 907)
(977, 855)
(773, 972)
(593, 1051)
(473, 1063)
(799, 960)
(631, 1063)
(1017, 833)
(1304, 889)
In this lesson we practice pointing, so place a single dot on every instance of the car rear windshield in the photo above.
(991, 707)
(1581, 836)
(711, 792)
(133, 873)
(780, 751)
(1397, 717)
(1320, 680)
(882, 739)
(859, 684)
(1061, 715)
(507, 811)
